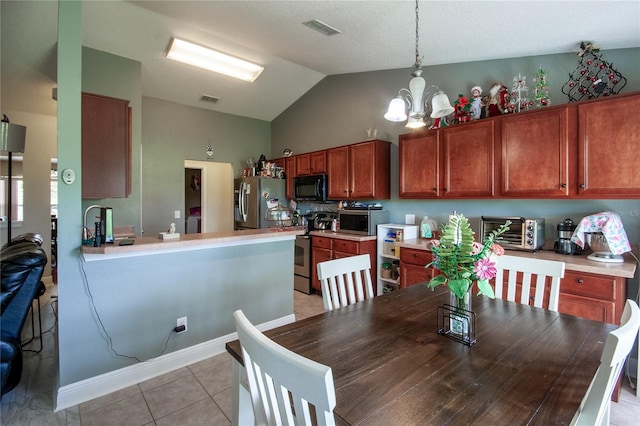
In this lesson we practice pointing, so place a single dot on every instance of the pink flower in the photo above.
(485, 269)
(476, 247)
(497, 249)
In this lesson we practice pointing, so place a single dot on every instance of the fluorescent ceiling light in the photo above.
(212, 60)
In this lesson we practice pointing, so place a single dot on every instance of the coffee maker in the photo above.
(563, 243)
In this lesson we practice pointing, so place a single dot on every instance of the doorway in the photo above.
(208, 195)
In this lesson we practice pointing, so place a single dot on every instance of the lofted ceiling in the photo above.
(375, 35)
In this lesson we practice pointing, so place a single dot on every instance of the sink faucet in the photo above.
(85, 231)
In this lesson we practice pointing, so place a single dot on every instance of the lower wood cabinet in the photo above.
(592, 296)
(325, 248)
(412, 267)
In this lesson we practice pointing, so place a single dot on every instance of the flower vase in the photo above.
(462, 319)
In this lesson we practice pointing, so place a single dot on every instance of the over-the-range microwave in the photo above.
(310, 188)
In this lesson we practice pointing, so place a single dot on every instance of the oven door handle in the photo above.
(502, 219)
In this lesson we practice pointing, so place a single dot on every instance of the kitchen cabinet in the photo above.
(412, 267)
(359, 171)
(290, 173)
(535, 153)
(106, 147)
(332, 246)
(454, 162)
(312, 163)
(592, 296)
(608, 142)
(388, 253)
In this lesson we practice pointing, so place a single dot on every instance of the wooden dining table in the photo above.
(391, 367)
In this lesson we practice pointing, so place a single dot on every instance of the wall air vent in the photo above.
(209, 98)
(321, 27)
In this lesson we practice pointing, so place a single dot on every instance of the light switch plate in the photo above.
(410, 219)
(176, 214)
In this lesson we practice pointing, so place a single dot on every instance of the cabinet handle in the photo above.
(582, 185)
(445, 189)
(580, 281)
(563, 185)
(435, 189)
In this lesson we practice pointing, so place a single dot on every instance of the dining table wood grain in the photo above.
(391, 367)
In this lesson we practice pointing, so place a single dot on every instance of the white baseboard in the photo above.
(94, 387)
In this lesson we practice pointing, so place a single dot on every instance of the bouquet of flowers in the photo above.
(463, 260)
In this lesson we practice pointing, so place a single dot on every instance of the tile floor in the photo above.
(195, 395)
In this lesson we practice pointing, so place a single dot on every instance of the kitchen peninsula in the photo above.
(138, 292)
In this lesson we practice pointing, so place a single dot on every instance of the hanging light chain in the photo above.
(418, 63)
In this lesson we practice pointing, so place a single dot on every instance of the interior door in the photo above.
(217, 195)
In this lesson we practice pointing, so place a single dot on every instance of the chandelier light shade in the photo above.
(416, 98)
(213, 60)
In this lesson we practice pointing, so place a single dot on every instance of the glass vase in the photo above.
(462, 319)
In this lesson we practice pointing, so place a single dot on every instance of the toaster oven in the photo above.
(523, 234)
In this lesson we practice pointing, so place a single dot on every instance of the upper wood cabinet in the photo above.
(608, 147)
(359, 171)
(455, 162)
(290, 173)
(311, 164)
(419, 165)
(106, 147)
(535, 153)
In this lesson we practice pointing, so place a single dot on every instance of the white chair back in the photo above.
(596, 404)
(529, 267)
(285, 387)
(345, 281)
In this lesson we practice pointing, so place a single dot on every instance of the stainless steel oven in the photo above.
(302, 264)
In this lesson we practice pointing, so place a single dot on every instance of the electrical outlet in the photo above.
(182, 321)
(176, 214)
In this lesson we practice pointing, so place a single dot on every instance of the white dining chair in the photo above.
(285, 388)
(596, 405)
(541, 269)
(345, 281)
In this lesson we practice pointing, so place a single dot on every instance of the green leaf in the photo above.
(485, 288)
(459, 286)
(436, 281)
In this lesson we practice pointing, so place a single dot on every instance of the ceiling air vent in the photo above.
(321, 27)
(209, 98)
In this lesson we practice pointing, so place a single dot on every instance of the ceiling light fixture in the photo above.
(213, 60)
(321, 27)
(417, 97)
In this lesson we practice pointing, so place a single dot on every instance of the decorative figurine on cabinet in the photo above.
(499, 100)
(476, 103)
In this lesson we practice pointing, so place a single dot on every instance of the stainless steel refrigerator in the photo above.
(251, 196)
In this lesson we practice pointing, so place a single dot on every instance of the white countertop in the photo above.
(143, 246)
(578, 263)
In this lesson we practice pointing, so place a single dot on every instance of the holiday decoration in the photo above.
(540, 97)
(498, 100)
(593, 77)
(462, 109)
(518, 101)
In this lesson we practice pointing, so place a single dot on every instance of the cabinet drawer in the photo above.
(415, 257)
(597, 310)
(322, 242)
(346, 246)
(589, 285)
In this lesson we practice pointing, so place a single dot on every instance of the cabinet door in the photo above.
(318, 255)
(290, 172)
(586, 307)
(535, 149)
(303, 164)
(608, 141)
(418, 164)
(369, 164)
(338, 171)
(318, 162)
(106, 147)
(469, 156)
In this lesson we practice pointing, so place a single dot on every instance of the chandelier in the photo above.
(417, 96)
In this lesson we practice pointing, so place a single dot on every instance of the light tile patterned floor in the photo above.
(199, 394)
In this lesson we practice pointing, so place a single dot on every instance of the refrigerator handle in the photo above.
(242, 201)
